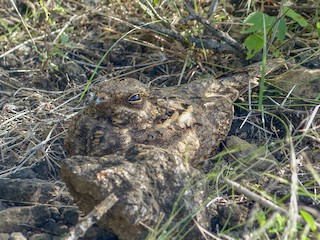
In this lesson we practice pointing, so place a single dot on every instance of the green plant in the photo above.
(309, 220)
(274, 224)
(276, 27)
(318, 28)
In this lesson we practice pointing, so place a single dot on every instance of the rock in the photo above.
(148, 182)
(23, 174)
(18, 219)
(55, 228)
(96, 232)
(4, 236)
(30, 190)
(17, 236)
(233, 214)
(10, 61)
(73, 73)
(55, 214)
(40, 236)
(250, 156)
(70, 216)
(306, 82)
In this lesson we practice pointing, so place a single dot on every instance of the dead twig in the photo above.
(256, 197)
(216, 32)
(206, 43)
(91, 218)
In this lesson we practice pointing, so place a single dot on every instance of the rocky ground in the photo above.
(47, 59)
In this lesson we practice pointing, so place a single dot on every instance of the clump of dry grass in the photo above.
(149, 42)
(33, 122)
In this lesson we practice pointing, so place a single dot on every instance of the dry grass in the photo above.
(39, 94)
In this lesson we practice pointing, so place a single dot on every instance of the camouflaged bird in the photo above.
(189, 120)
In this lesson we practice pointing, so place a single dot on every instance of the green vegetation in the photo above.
(275, 26)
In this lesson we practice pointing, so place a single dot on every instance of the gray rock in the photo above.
(150, 183)
(30, 190)
(250, 155)
(40, 236)
(55, 228)
(96, 232)
(304, 81)
(55, 214)
(15, 219)
(4, 236)
(17, 236)
(70, 216)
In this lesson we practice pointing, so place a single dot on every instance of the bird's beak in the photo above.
(98, 100)
(101, 99)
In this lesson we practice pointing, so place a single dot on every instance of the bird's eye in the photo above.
(134, 98)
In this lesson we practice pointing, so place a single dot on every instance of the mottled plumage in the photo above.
(189, 120)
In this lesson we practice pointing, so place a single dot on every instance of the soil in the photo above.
(43, 78)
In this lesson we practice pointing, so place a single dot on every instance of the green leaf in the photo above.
(309, 219)
(255, 22)
(279, 224)
(295, 16)
(254, 43)
(261, 218)
(304, 238)
(282, 29)
(318, 28)
(277, 53)
(59, 9)
(64, 38)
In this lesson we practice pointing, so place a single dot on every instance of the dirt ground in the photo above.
(52, 53)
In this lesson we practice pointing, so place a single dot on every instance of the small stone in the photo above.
(250, 155)
(17, 236)
(62, 229)
(30, 190)
(43, 215)
(40, 236)
(14, 219)
(56, 228)
(10, 61)
(96, 232)
(55, 214)
(23, 174)
(50, 226)
(303, 82)
(4, 236)
(70, 217)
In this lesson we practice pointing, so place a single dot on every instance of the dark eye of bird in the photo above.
(135, 98)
